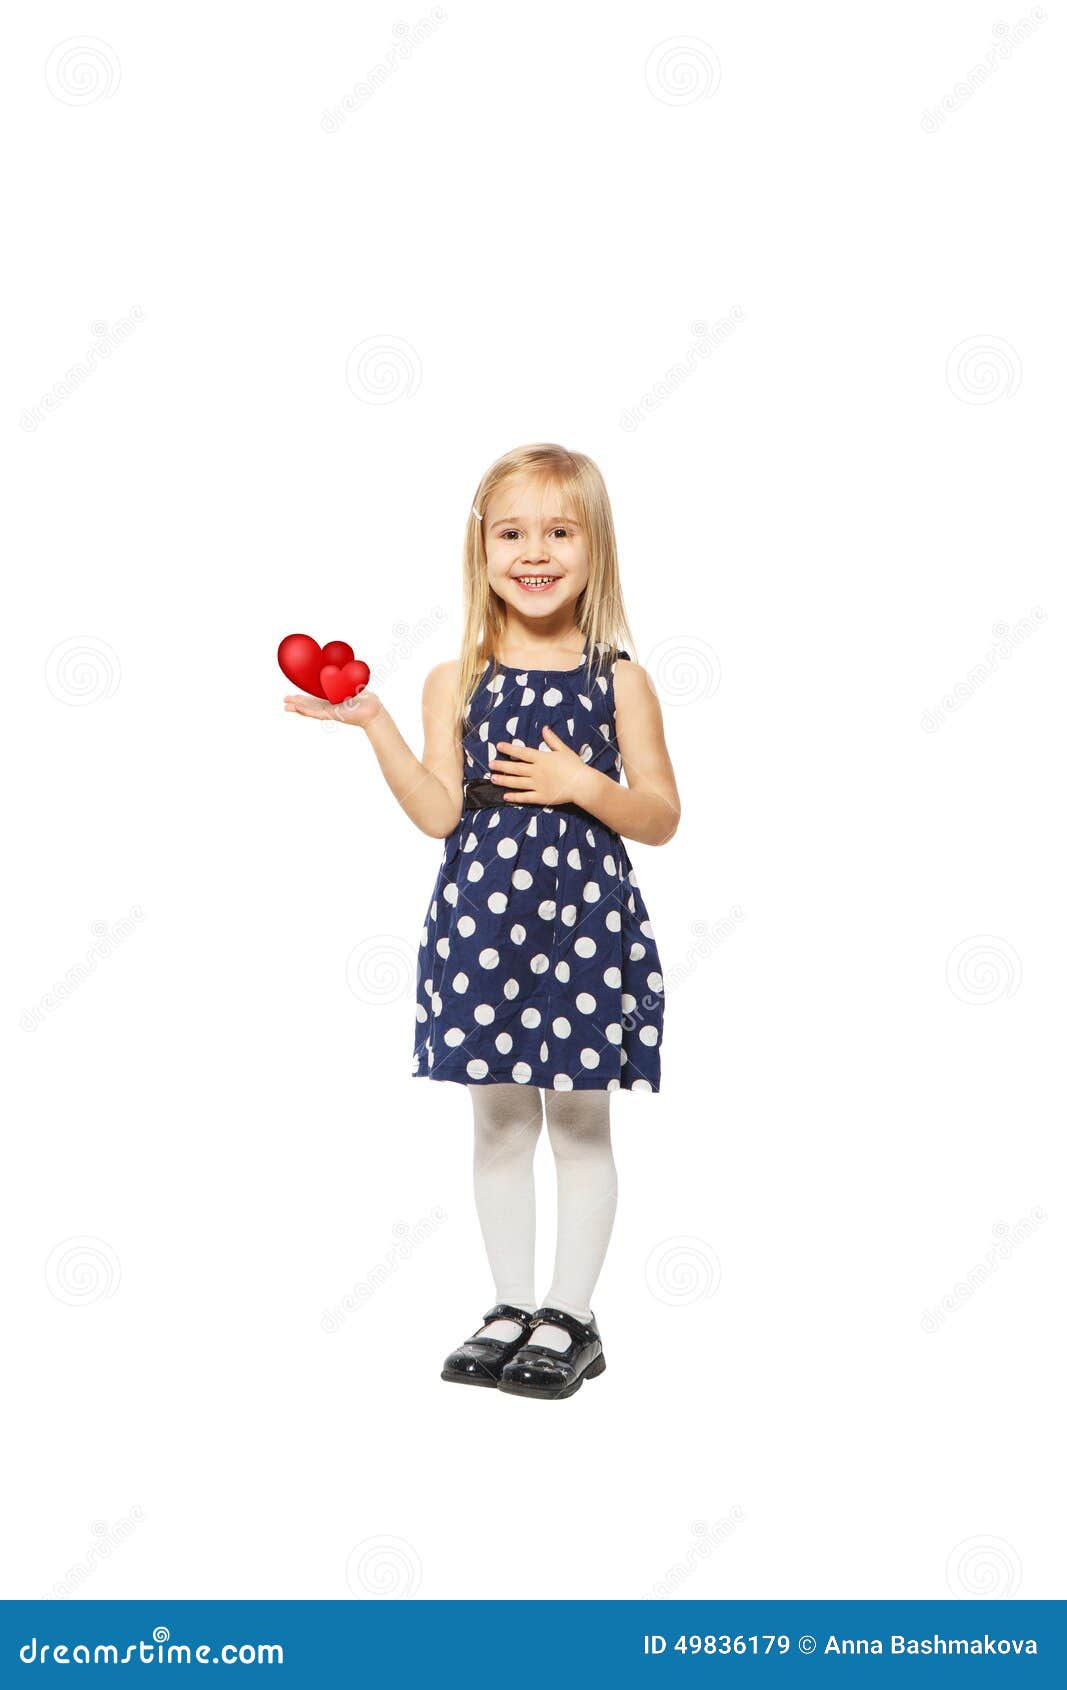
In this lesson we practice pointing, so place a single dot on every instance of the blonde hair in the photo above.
(599, 611)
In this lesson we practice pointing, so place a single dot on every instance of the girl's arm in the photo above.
(430, 791)
(647, 808)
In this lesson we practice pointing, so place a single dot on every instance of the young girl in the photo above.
(539, 981)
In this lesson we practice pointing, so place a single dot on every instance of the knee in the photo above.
(509, 1135)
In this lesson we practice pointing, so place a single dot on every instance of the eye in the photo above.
(562, 532)
(509, 533)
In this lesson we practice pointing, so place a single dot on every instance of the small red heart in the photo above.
(300, 660)
(344, 682)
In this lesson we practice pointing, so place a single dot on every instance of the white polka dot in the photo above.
(585, 947)
(590, 1057)
(531, 1018)
(612, 977)
(450, 892)
(477, 1069)
(641, 1085)
(539, 962)
(484, 1014)
(506, 847)
(466, 925)
(550, 856)
(489, 958)
(435, 1003)
(527, 695)
(590, 891)
(454, 1036)
(495, 684)
(546, 909)
(562, 1082)
(511, 724)
(574, 857)
(497, 902)
(613, 921)
(655, 980)
(503, 1043)
(613, 1033)
(460, 982)
(475, 871)
(420, 1013)
(586, 701)
(552, 696)
(609, 865)
(612, 1085)
(442, 947)
(544, 1050)
(569, 914)
(586, 1002)
(646, 928)
(518, 933)
(521, 1072)
(561, 1026)
(628, 1001)
(522, 878)
(636, 951)
(563, 971)
(648, 1035)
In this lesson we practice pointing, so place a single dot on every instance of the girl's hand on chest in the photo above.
(536, 776)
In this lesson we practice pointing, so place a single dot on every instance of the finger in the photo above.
(511, 780)
(550, 733)
(522, 752)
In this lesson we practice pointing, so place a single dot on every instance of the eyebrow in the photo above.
(550, 522)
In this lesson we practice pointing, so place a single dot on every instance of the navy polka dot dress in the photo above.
(537, 962)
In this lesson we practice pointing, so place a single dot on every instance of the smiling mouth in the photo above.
(536, 583)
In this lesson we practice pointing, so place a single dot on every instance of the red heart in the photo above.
(300, 660)
(341, 683)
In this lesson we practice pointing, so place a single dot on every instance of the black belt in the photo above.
(480, 794)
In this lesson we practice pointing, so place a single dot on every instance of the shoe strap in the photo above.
(578, 1333)
(507, 1311)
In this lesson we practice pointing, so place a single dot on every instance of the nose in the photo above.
(535, 551)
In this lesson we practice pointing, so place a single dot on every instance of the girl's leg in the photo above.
(507, 1124)
(579, 1130)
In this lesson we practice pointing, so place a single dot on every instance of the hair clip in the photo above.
(476, 512)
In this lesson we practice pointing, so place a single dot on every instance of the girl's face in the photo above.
(536, 549)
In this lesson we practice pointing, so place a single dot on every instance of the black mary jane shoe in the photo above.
(537, 1371)
(479, 1360)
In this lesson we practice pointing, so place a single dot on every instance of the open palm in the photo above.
(359, 711)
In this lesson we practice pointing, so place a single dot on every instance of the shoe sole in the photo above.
(593, 1371)
(469, 1379)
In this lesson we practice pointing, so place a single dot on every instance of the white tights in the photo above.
(507, 1125)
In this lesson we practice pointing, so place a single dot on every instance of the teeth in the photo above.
(537, 580)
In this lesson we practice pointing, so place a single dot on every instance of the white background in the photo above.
(214, 1137)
